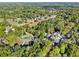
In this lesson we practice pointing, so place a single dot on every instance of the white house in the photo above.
(56, 37)
(7, 29)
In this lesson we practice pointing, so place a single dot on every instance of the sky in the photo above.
(39, 0)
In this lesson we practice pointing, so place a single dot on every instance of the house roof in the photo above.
(24, 39)
(56, 37)
(7, 29)
(56, 34)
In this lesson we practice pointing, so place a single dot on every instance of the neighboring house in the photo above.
(8, 29)
(3, 41)
(56, 38)
(65, 17)
(47, 35)
(25, 39)
(35, 20)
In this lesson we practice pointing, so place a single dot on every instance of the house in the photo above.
(3, 41)
(47, 35)
(25, 39)
(56, 34)
(65, 17)
(35, 20)
(56, 38)
(7, 29)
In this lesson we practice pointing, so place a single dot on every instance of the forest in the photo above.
(46, 29)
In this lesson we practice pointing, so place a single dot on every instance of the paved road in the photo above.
(42, 19)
